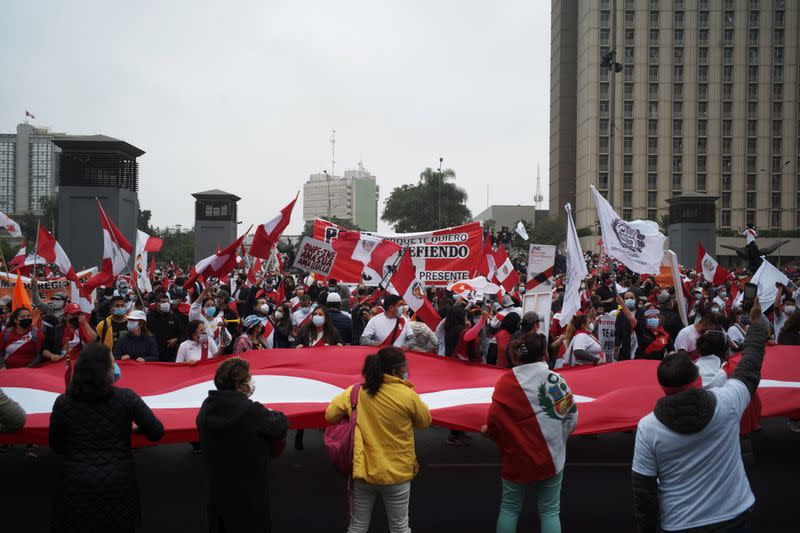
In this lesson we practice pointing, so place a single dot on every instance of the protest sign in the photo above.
(315, 256)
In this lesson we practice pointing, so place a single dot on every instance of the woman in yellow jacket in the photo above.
(384, 460)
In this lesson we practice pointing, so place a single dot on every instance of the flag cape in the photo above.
(576, 271)
(441, 257)
(301, 383)
(267, 234)
(637, 243)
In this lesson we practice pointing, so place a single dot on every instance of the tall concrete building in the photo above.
(352, 197)
(706, 101)
(28, 168)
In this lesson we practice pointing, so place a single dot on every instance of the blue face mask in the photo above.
(117, 372)
(211, 311)
(630, 303)
(652, 323)
(119, 311)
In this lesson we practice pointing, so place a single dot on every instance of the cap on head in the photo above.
(250, 321)
(334, 298)
(137, 315)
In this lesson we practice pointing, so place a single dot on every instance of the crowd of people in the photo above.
(275, 310)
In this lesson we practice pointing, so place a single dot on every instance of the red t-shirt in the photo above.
(20, 350)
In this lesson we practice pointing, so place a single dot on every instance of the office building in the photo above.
(510, 215)
(352, 197)
(705, 101)
(28, 169)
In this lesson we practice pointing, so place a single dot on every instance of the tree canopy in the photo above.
(432, 203)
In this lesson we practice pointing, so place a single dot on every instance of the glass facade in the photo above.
(7, 181)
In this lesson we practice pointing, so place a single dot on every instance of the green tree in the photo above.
(430, 204)
(48, 216)
(143, 221)
(549, 230)
(178, 247)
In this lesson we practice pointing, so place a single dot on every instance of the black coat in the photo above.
(236, 436)
(343, 324)
(166, 326)
(98, 491)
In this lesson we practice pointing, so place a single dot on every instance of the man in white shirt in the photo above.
(686, 341)
(302, 312)
(387, 328)
(688, 447)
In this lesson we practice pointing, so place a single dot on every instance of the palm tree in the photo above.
(434, 202)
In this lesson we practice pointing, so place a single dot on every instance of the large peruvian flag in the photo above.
(219, 264)
(404, 283)
(301, 383)
(267, 234)
(712, 271)
(361, 258)
(440, 257)
(117, 252)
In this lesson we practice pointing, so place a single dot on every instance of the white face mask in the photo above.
(789, 309)
(318, 320)
(591, 327)
(278, 315)
(265, 309)
(164, 307)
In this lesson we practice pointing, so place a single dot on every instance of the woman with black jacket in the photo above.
(238, 437)
(91, 426)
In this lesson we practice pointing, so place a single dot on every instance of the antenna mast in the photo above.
(538, 198)
(333, 152)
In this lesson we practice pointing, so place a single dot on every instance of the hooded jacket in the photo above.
(689, 446)
(236, 436)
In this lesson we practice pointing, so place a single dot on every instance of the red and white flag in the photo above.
(268, 233)
(117, 252)
(505, 274)
(362, 257)
(48, 248)
(144, 245)
(301, 383)
(18, 260)
(472, 289)
(404, 283)
(711, 270)
(11, 227)
(219, 264)
(29, 114)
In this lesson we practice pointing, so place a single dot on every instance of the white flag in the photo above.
(521, 231)
(576, 271)
(142, 278)
(766, 277)
(637, 244)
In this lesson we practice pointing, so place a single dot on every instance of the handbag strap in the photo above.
(354, 396)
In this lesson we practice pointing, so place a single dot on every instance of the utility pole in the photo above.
(439, 195)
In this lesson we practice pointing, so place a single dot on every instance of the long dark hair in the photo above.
(92, 376)
(792, 323)
(386, 361)
(454, 324)
(328, 329)
(12, 321)
(192, 327)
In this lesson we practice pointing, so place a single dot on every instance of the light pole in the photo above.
(608, 60)
(328, 179)
(439, 195)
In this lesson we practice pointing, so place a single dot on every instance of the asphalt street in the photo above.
(458, 488)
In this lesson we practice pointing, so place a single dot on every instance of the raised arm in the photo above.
(749, 369)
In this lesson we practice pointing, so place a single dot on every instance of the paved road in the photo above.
(457, 490)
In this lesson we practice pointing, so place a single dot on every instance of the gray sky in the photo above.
(242, 95)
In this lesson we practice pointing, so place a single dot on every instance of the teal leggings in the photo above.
(548, 498)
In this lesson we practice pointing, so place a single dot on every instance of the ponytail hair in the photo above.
(386, 361)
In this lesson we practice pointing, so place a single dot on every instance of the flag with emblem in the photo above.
(712, 271)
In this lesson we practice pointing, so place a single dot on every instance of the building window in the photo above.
(605, 35)
(629, 37)
(627, 163)
(752, 92)
(702, 22)
(602, 181)
(751, 146)
(677, 180)
(653, 19)
(776, 218)
(603, 145)
(604, 91)
(627, 214)
(630, 19)
(727, 74)
(725, 200)
(725, 183)
(777, 128)
(652, 91)
(629, 73)
(776, 182)
(677, 163)
(777, 92)
(701, 182)
(627, 198)
(677, 56)
(702, 128)
(777, 74)
(751, 200)
(727, 91)
(727, 37)
(777, 56)
(726, 128)
(652, 163)
(752, 57)
(750, 182)
(776, 145)
(677, 145)
(603, 163)
(701, 163)
(652, 145)
(702, 108)
(627, 127)
(653, 55)
(729, 19)
(653, 37)
(777, 38)
(779, 17)
(652, 110)
(652, 199)
(652, 128)
(777, 110)
(677, 39)
(726, 145)
(678, 19)
(627, 181)
(752, 74)
(628, 109)
(628, 91)
(677, 128)
(627, 145)
(702, 147)
(628, 54)
(752, 110)
(754, 19)
(702, 55)
(702, 92)
(652, 74)
(702, 74)
(753, 39)
(726, 164)
(603, 126)
(652, 181)
(677, 109)
(752, 128)
(725, 219)
(605, 17)
(603, 109)
(727, 56)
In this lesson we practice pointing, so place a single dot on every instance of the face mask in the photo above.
(522, 290)
(583, 286)
(119, 311)
(57, 303)
(318, 320)
(133, 325)
(591, 327)
(405, 376)
(265, 309)
(25, 323)
(630, 303)
(652, 323)
(715, 309)
(723, 294)
(164, 307)
(789, 309)
(304, 308)
(117, 371)
(210, 311)
(278, 315)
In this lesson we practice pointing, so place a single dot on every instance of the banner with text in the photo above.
(315, 256)
(440, 257)
(46, 287)
(541, 259)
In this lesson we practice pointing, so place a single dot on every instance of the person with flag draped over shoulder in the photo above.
(20, 342)
(387, 328)
(531, 415)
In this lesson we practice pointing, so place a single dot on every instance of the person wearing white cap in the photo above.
(138, 343)
(341, 320)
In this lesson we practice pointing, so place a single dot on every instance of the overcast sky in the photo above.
(242, 96)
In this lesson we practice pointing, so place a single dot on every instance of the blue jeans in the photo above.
(548, 499)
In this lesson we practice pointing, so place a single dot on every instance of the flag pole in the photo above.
(119, 249)
(3, 257)
(390, 273)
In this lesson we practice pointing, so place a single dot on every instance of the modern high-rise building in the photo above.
(28, 168)
(705, 100)
(352, 197)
